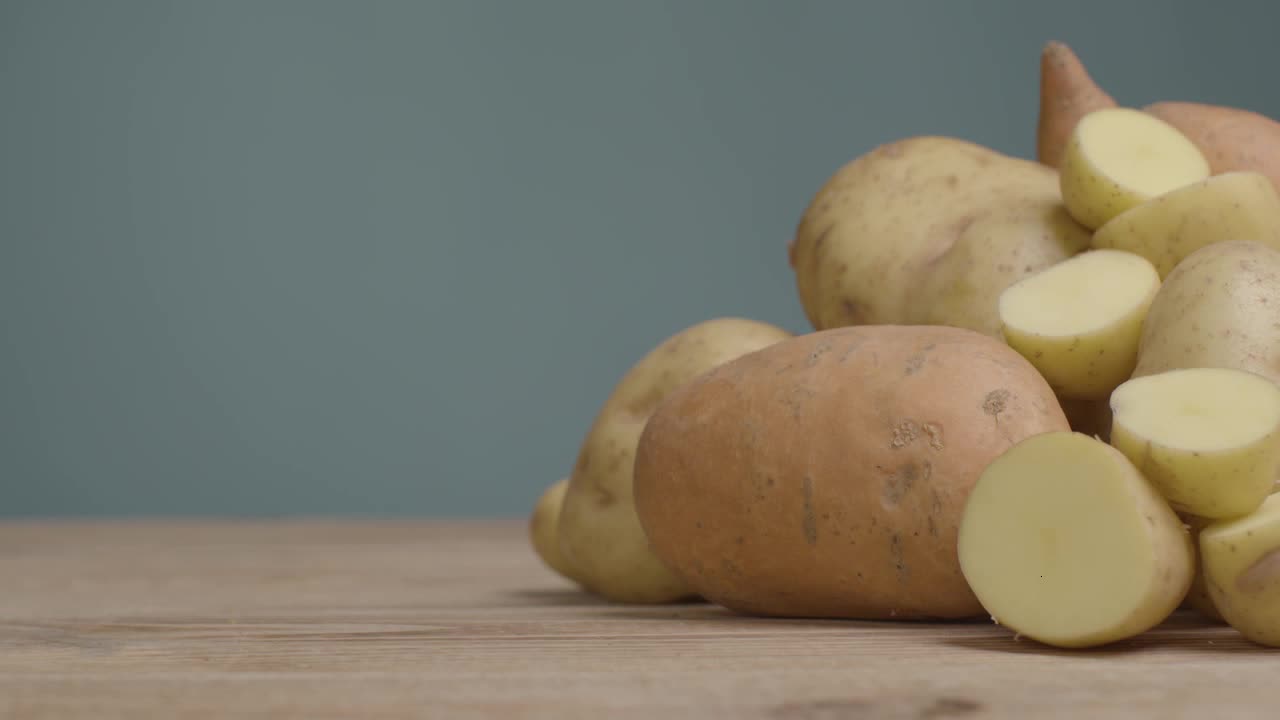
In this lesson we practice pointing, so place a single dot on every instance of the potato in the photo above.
(1207, 438)
(928, 231)
(1242, 571)
(600, 534)
(1198, 598)
(1079, 321)
(1065, 542)
(1067, 93)
(1167, 228)
(825, 476)
(1216, 309)
(1117, 158)
(1230, 138)
(544, 530)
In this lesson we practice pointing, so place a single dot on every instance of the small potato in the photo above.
(1079, 321)
(1167, 228)
(1242, 571)
(1216, 309)
(825, 476)
(1207, 438)
(544, 530)
(1117, 158)
(1065, 542)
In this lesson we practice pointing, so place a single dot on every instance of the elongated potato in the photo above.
(600, 535)
(1242, 571)
(824, 476)
(544, 530)
(1216, 309)
(1169, 227)
(1207, 438)
(1065, 542)
(1079, 321)
(1117, 158)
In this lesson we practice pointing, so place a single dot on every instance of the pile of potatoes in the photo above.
(1044, 392)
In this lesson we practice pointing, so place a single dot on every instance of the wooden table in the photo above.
(459, 620)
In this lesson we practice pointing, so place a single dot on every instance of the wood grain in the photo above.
(323, 619)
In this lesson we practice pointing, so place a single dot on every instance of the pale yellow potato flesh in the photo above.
(544, 530)
(1063, 541)
(1079, 321)
(1207, 438)
(1118, 158)
(1242, 571)
(1166, 229)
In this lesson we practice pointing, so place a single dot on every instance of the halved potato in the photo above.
(1117, 158)
(1064, 541)
(1166, 229)
(1079, 321)
(1207, 438)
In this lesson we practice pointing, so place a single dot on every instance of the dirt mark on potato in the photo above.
(810, 521)
(995, 403)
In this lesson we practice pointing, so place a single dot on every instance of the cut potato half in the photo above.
(1166, 229)
(1207, 438)
(1079, 322)
(1118, 158)
(1065, 542)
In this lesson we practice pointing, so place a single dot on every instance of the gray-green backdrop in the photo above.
(311, 256)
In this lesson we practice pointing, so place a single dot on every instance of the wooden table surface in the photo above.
(459, 620)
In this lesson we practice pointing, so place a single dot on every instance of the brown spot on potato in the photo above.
(816, 354)
(1261, 575)
(995, 403)
(810, 521)
(853, 312)
(914, 363)
(895, 554)
(898, 483)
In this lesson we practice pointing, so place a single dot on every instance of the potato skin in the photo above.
(825, 476)
(928, 231)
(599, 534)
(1216, 309)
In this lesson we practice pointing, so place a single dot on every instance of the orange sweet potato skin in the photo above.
(825, 476)
(1230, 139)
(1067, 93)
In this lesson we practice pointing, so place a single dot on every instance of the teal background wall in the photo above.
(264, 257)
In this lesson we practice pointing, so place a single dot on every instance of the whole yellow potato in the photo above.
(825, 476)
(600, 535)
(1218, 308)
(928, 231)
